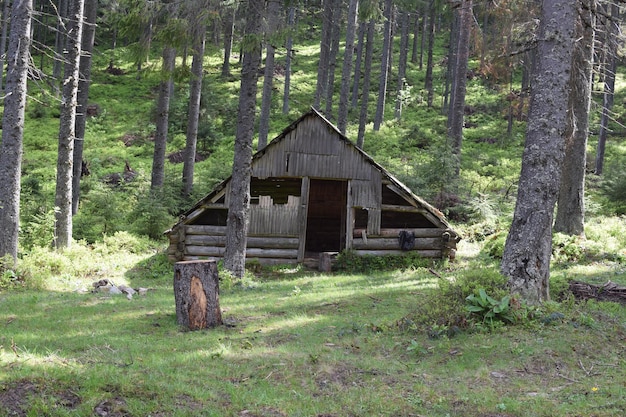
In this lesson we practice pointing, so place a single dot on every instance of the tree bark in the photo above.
(332, 58)
(528, 248)
(162, 121)
(570, 214)
(196, 293)
(273, 12)
(457, 109)
(609, 70)
(3, 39)
(195, 94)
(87, 42)
(67, 129)
(239, 205)
(404, 50)
(228, 17)
(291, 17)
(384, 67)
(11, 148)
(357, 64)
(366, 83)
(322, 69)
(428, 79)
(346, 73)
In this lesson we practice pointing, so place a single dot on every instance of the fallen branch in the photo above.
(607, 292)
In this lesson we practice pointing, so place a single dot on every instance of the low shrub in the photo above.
(349, 261)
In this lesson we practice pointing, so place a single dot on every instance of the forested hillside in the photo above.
(140, 111)
(507, 116)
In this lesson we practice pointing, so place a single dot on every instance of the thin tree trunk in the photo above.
(428, 79)
(570, 214)
(369, 49)
(3, 39)
(384, 67)
(67, 130)
(87, 42)
(357, 65)
(332, 59)
(229, 27)
(404, 45)
(239, 205)
(609, 87)
(11, 148)
(162, 121)
(528, 248)
(322, 69)
(195, 93)
(59, 44)
(457, 111)
(415, 42)
(273, 12)
(291, 17)
(342, 117)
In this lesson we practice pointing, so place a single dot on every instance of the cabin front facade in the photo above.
(314, 191)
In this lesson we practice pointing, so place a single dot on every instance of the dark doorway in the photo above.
(326, 220)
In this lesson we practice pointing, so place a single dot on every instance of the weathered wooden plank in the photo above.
(193, 229)
(278, 242)
(214, 251)
(373, 243)
(422, 253)
(394, 232)
(302, 217)
(402, 209)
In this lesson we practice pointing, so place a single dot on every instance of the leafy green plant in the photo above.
(488, 309)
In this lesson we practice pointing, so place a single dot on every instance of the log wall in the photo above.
(201, 242)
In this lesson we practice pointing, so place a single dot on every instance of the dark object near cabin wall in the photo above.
(406, 240)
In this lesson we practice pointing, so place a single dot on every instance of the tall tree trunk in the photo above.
(228, 22)
(59, 43)
(428, 79)
(273, 12)
(528, 248)
(404, 50)
(332, 58)
(416, 32)
(322, 68)
(195, 93)
(457, 111)
(162, 121)
(11, 148)
(448, 96)
(357, 65)
(67, 129)
(239, 204)
(3, 39)
(369, 49)
(384, 66)
(87, 42)
(609, 86)
(570, 214)
(344, 95)
(291, 17)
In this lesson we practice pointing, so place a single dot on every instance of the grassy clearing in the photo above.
(299, 343)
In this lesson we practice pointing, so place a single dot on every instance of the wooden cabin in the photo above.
(313, 191)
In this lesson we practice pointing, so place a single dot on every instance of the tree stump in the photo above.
(326, 261)
(196, 290)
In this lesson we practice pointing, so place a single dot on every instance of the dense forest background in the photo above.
(437, 92)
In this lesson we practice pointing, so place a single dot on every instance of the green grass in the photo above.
(299, 343)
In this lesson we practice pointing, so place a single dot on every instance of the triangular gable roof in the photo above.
(385, 174)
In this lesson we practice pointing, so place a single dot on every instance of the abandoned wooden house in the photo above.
(313, 191)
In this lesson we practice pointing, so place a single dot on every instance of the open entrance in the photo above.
(326, 220)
